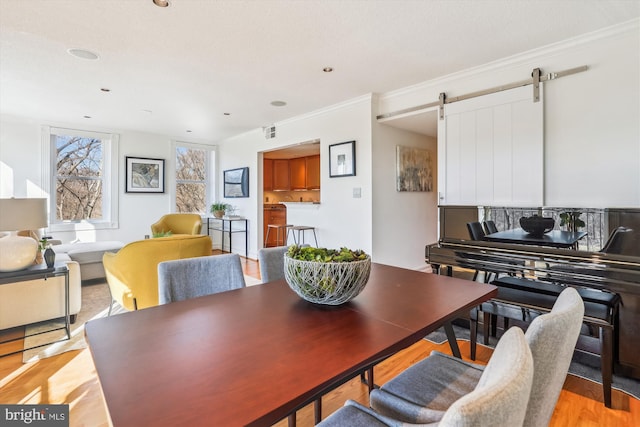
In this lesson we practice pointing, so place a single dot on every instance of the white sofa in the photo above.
(33, 301)
(88, 255)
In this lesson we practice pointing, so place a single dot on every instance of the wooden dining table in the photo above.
(254, 355)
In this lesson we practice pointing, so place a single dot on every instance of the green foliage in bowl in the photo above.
(326, 276)
(307, 253)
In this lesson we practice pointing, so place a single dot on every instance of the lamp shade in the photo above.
(17, 252)
(23, 214)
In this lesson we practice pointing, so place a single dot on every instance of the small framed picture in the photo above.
(144, 175)
(236, 182)
(342, 159)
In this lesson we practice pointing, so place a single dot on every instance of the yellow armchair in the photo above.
(132, 272)
(178, 223)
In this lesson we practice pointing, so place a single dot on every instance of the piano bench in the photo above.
(525, 299)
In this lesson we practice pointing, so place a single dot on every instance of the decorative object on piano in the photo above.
(218, 209)
(414, 169)
(571, 219)
(537, 225)
(326, 276)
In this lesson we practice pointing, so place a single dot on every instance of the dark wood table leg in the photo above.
(451, 337)
(317, 410)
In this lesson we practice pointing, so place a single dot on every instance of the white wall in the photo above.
(403, 222)
(592, 151)
(21, 176)
(592, 119)
(340, 219)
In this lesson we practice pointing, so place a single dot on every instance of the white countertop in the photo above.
(301, 204)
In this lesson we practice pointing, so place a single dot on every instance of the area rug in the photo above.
(582, 367)
(95, 304)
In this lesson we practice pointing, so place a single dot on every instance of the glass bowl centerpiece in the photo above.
(326, 276)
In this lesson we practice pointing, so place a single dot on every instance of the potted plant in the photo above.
(218, 209)
(571, 219)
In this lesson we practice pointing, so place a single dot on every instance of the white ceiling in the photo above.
(181, 68)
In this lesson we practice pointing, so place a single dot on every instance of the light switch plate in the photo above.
(357, 192)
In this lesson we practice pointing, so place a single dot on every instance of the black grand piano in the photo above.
(586, 266)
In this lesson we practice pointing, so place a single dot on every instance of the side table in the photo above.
(41, 271)
(225, 226)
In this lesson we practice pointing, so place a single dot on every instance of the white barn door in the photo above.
(490, 150)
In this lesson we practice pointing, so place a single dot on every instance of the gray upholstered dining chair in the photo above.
(271, 262)
(194, 277)
(422, 393)
(499, 398)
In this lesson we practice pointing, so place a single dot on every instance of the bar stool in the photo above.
(302, 229)
(285, 228)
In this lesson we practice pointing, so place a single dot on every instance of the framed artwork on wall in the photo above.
(144, 175)
(414, 169)
(236, 182)
(342, 159)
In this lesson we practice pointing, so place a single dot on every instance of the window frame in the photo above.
(210, 172)
(109, 179)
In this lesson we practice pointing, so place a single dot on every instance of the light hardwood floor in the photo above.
(71, 378)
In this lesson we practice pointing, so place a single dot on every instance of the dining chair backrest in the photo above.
(194, 277)
(617, 241)
(501, 396)
(490, 227)
(552, 338)
(271, 262)
(475, 231)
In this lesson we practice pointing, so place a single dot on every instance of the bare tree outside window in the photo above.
(79, 177)
(191, 172)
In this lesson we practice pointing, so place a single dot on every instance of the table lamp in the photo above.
(19, 252)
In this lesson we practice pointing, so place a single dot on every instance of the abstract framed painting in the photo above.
(414, 169)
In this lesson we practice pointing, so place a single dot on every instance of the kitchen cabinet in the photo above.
(277, 215)
(281, 180)
(298, 173)
(267, 174)
(313, 172)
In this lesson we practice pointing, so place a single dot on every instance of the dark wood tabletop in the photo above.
(254, 355)
(554, 238)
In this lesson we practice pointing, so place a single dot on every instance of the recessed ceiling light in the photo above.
(278, 103)
(327, 69)
(161, 3)
(104, 89)
(227, 114)
(83, 54)
(147, 111)
(87, 117)
(188, 131)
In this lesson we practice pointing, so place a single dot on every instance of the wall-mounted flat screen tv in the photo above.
(236, 182)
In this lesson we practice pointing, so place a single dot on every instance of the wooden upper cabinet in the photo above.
(313, 172)
(298, 175)
(281, 175)
(267, 174)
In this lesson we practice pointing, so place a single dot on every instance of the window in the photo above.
(81, 171)
(194, 177)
